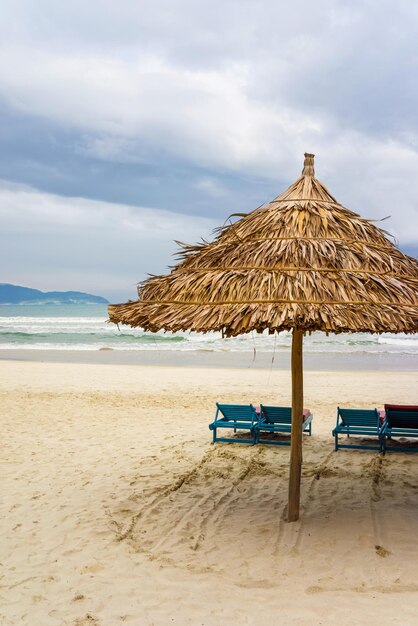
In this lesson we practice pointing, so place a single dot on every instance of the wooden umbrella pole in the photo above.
(297, 420)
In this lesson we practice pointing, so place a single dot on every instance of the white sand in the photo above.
(116, 508)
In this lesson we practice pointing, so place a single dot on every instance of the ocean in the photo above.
(84, 327)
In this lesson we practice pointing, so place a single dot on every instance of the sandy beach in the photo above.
(117, 509)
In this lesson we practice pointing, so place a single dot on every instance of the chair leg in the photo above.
(336, 441)
(214, 436)
(256, 435)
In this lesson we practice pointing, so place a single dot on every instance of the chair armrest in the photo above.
(308, 419)
(383, 427)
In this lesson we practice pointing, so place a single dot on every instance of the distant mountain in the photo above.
(14, 294)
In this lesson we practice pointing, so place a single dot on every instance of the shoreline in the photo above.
(228, 360)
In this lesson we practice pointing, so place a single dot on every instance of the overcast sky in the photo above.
(126, 125)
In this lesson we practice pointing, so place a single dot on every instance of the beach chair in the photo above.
(235, 417)
(364, 422)
(278, 419)
(400, 421)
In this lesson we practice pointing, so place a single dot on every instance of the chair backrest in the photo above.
(277, 414)
(359, 417)
(401, 416)
(237, 412)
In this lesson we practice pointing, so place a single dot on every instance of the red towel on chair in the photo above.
(401, 407)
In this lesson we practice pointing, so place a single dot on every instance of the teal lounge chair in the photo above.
(278, 419)
(235, 417)
(400, 421)
(364, 422)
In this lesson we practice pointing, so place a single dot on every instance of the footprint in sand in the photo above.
(92, 568)
(381, 551)
(184, 520)
(87, 620)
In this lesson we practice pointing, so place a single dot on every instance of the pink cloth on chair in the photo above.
(306, 412)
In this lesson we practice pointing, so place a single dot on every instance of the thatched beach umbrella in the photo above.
(303, 262)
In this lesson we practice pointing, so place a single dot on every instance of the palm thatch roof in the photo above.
(301, 261)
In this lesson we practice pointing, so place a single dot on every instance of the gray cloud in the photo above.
(204, 109)
(74, 243)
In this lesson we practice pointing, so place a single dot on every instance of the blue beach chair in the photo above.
(364, 422)
(235, 417)
(400, 421)
(278, 419)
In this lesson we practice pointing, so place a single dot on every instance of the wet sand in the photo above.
(330, 361)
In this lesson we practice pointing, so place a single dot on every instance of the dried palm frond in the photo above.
(302, 261)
